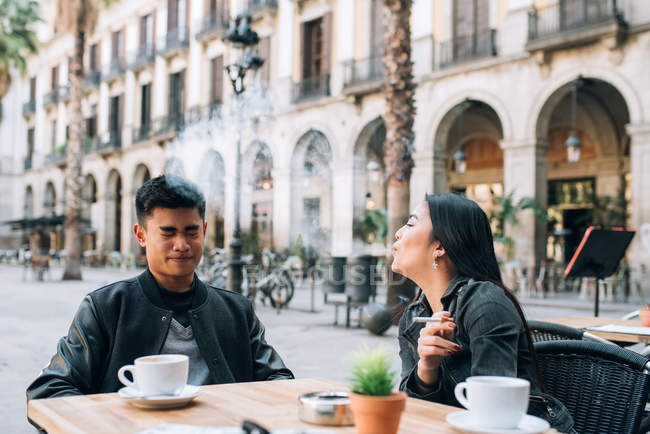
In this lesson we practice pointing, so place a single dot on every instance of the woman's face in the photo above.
(413, 250)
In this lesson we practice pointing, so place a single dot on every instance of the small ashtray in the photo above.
(325, 408)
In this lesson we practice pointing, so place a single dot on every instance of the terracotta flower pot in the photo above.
(644, 315)
(377, 414)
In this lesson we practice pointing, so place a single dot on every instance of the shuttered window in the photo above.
(216, 80)
(316, 46)
(265, 53)
(145, 109)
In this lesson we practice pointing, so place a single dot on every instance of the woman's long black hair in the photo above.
(464, 231)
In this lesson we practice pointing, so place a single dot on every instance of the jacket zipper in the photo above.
(545, 401)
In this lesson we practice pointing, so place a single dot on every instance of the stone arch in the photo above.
(113, 212)
(28, 204)
(49, 201)
(141, 174)
(211, 181)
(311, 190)
(88, 212)
(369, 181)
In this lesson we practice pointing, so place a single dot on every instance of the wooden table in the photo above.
(582, 322)
(272, 404)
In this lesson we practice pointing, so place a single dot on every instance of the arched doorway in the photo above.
(211, 180)
(473, 129)
(311, 191)
(89, 212)
(596, 189)
(258, 169)
(112, 241)
(46, 237)
(28, 213)
(369, 186)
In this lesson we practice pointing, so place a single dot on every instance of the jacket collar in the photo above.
(454, 287)
(149, 286)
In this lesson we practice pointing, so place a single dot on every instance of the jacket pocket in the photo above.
(551, 410)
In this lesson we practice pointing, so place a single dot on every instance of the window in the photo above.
(94, 57)
(470, 17)
(313, 48)
(377, 29)
(115, 114)
(55, 78)
(91, 123)
(145, 107)
(176, 94)
(176, 14)
(147, 33)
(216, 80)
(53, 136)
(32, 89)
(117, 45)
(30, 143)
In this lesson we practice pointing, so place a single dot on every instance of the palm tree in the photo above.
(78, 17)
(17, 38)
(400, 114)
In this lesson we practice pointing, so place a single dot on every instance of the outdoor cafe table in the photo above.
(584, 322)
(272, 404)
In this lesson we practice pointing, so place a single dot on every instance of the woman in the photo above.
(446, 248)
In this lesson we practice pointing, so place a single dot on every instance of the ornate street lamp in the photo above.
(241, 36)
(460, 158)
(573, 143)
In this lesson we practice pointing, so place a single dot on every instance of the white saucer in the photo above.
(134, 397)
(529, 424)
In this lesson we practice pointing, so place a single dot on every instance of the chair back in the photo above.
(604, 387)
(542, 331)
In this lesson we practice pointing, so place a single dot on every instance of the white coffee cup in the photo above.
(494, 402)
(163, 374)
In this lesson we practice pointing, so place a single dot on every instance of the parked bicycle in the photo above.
(271, 279)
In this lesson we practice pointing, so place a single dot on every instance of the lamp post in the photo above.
(241, 36)
(573, 143)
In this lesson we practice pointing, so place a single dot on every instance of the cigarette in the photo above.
(426, 319)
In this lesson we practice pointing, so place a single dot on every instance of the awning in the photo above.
(29, 223)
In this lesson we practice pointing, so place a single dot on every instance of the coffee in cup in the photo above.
(494, 402)
(164, 374)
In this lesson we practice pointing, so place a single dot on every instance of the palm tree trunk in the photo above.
(73, 175)
(399, 118)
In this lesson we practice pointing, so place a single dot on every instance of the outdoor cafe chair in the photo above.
(604, 387)
(543, 331)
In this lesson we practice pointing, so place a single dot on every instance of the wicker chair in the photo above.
(542, 331)
(604, 387)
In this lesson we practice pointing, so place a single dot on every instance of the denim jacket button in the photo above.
(164, 318)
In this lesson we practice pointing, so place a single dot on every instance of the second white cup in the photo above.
(164, 374)
(494, 402)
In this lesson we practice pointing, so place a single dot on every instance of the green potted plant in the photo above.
(374, 405)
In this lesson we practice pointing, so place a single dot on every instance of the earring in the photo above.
(435, 264)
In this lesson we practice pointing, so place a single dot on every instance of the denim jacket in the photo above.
(493, 342)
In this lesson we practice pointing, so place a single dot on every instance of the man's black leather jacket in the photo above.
(123, 321)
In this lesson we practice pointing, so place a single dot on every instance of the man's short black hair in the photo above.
(167, 191)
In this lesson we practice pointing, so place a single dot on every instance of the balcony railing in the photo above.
(109, 142)
(51, 98)
(92, 79)
(29, 108)
(467, 48)
(143, 132)
(356, 72)
(57, 157)
(27, 163)
(175, 41)
(115, 69)
(571, 15)
(213, 25)
(144, 57)
(64, 92)
(91, 144)
(256, 8)
(311, 88)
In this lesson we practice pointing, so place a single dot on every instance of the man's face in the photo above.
(173, 239)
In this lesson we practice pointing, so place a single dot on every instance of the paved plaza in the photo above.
(36, 314)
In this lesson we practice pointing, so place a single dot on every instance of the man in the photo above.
(164, 310)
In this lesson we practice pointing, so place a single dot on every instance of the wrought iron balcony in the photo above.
(311, 88)
(58, 156)
(51, 98)
(91, 144)
(110, 142)
(174, 42)
(92, 79)
(115, 69)
(573, 22)
(258, 8)
(468, 48)
(213, 25)
(143, 58)
(360, 76)
(64, 92)
(27, 164)
(143, 133)
(29, 108)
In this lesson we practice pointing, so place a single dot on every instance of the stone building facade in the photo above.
(494, 78)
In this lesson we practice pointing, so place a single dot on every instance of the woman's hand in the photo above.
(434, 345)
